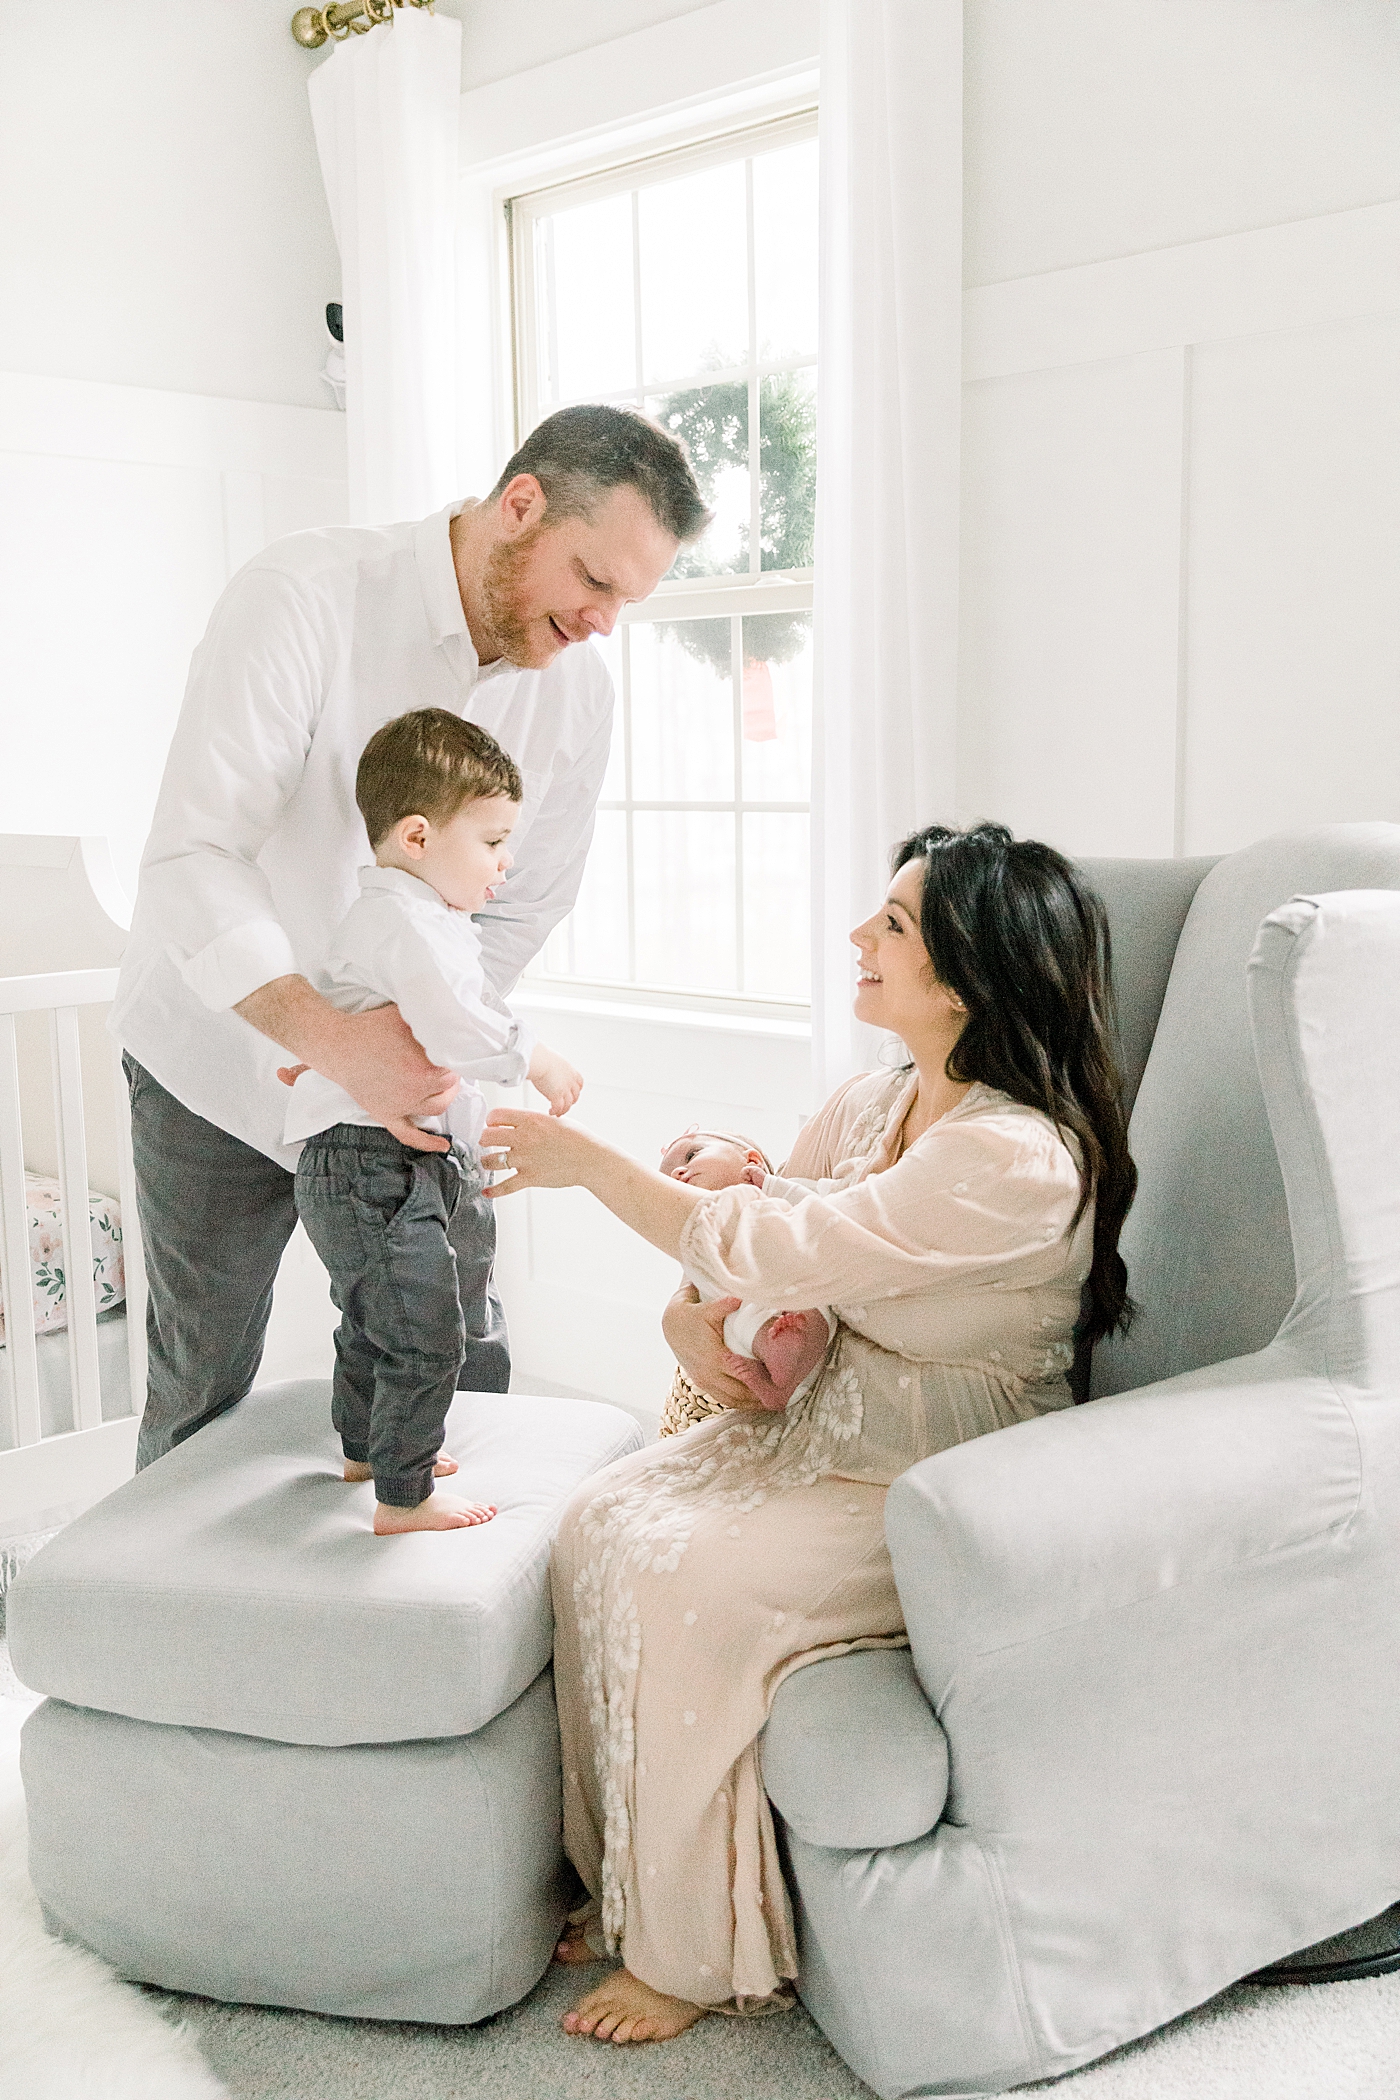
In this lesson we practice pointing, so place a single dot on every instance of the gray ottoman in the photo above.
(285, 1762)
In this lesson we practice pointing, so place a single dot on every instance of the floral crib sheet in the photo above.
(48, 1284)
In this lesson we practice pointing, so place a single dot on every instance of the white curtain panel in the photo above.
(385, 110)
(888, 421)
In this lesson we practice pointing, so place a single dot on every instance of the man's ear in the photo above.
(522, 505)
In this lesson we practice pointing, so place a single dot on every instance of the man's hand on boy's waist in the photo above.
(374, 1056)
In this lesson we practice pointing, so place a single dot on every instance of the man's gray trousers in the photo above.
(216, 1215)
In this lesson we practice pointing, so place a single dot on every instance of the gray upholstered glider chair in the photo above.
(1146, 1741)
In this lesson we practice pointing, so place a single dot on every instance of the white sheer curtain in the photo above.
(385, 107)
(888, 423)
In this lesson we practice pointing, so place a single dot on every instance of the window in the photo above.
(686, 284)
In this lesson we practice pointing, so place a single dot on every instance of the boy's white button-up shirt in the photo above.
(400, 944)
(256, 839)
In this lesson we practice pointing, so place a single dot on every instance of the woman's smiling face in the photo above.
(896, 988)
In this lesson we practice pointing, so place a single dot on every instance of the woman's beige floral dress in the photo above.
(691, 1578)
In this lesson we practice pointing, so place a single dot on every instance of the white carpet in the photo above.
(70, 2031)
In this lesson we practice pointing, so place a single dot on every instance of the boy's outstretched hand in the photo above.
(554, 1077)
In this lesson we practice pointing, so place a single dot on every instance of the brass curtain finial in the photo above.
(312, 26)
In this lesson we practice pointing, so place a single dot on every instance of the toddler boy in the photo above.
(439, 798)
(771, 1353)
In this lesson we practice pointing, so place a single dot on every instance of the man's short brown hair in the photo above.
(429, 764)
(578, 455)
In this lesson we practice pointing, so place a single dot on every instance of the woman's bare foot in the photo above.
(355, 1471)
(573, 1949)
(438, 1513)
(624, 2009)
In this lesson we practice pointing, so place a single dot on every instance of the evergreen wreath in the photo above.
(712, 423)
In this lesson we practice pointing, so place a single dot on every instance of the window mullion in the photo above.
(736, 674)
(627, 805)
(755, 434)
(551, 303)
(637, 293)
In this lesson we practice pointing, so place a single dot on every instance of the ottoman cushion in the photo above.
(236, 1583)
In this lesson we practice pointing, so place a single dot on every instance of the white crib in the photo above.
(67, 1420)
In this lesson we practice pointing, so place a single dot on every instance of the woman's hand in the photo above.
(696, 1335)
(540, 1151)
(543, 1153)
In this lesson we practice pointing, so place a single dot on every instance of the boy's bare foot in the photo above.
(438, 1513)
(624, 2009)
(355, 1471)
(573, 1949)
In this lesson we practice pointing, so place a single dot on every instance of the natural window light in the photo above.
(687, 284)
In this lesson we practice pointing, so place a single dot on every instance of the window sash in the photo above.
(732, 596)
(527, 207)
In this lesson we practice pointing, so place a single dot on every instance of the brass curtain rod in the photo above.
(312, 26)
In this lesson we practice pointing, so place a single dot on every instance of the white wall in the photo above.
(500, 38)
(1099, 128)
(165, 260)
(1181, 444)
(164, 222)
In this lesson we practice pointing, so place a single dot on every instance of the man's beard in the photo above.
(501, 596)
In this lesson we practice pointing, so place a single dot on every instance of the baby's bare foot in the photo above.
(624, 2009)
(788, 1347)
(438, 1513)
(355, 1471)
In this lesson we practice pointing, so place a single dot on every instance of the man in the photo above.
(256, 839)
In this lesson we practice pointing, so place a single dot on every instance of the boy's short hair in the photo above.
(429, 764)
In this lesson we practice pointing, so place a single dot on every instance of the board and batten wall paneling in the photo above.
(123, 513)
(1180, 606)
(1068, 682)
(108, 569)
(1293, 665)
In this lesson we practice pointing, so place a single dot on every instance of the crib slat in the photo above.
(133, 1252)
(14, 1250)
(77, 1228)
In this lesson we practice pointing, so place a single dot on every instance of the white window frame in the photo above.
(733, 596)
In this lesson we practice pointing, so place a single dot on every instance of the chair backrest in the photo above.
(1146, 902)
(1208, 1248)
(1324, 1003)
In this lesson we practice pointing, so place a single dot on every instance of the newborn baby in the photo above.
(771, 1353)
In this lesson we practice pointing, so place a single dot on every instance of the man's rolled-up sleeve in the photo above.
(256, 688)
(542, 888)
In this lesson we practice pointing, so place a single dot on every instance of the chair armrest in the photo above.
(1028, 1532)
(852, 1756)
(1162, 1633)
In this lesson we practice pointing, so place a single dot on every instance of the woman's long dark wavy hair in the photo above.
(1022, 940)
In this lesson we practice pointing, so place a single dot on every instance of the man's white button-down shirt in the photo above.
(400, 943)
(252, 859)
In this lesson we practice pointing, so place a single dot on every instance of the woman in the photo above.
(962, 1218)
